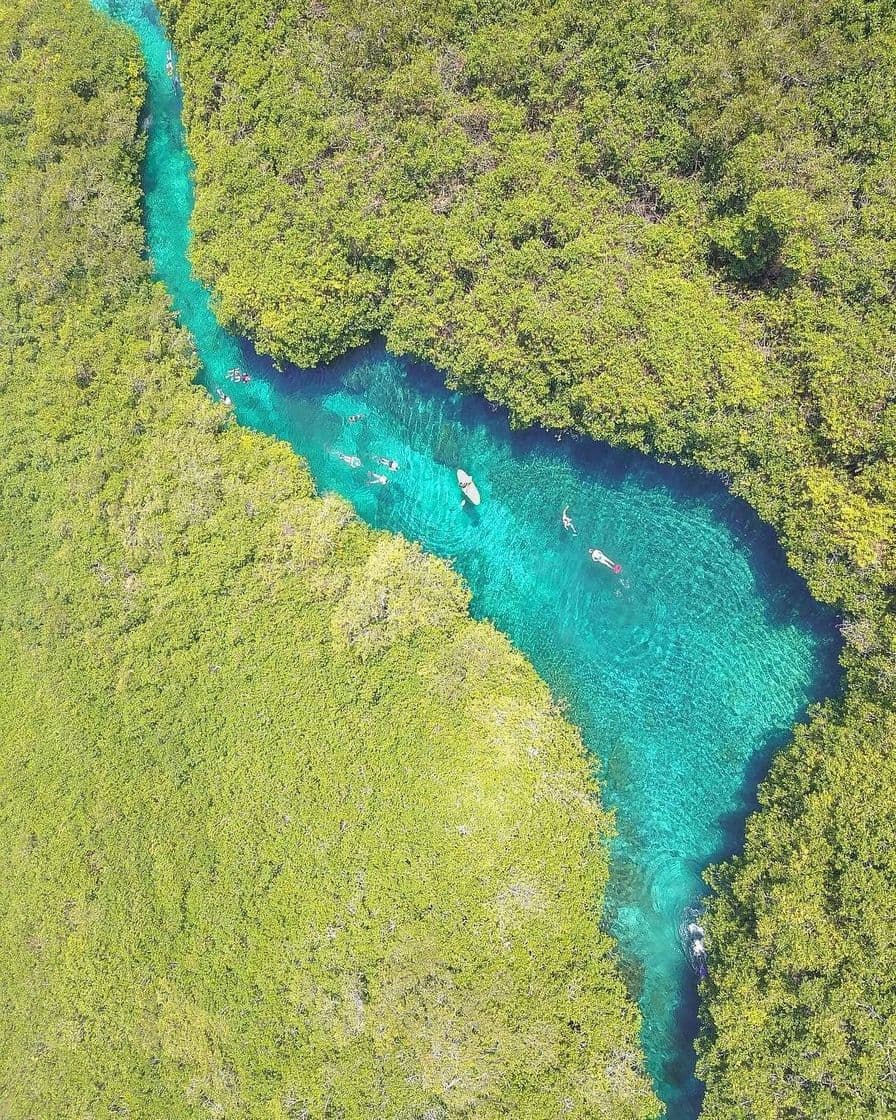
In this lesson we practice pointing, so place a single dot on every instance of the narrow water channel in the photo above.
(685, 671)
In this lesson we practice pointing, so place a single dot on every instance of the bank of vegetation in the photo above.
(668, 226)
(285, 834)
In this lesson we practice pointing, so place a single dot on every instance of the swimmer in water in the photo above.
(349, 460)
(390, 463)
(567, 521)
(376, 479)
(356, 418)
(223, 398)
(601, 558)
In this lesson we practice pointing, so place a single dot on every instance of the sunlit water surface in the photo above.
(684, 672)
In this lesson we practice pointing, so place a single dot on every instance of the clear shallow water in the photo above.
(684, 673)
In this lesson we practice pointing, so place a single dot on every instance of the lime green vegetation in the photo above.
(669, 227)
(286, 834)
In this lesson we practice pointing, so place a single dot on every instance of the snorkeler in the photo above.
(601, 558)
(567, 521)
(349, 460)
(376, 479)
(356, 417)
(390, 463)
(696, 949)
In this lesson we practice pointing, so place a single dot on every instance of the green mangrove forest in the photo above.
(288, 835)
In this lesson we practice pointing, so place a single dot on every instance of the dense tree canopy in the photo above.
(285, 833)
(671, 226)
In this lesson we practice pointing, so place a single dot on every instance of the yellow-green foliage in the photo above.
(801, 1016)
(671, 225)
(285, 834)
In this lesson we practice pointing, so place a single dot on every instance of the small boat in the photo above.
(468, 486)
(169, 65)
(601, 558)
(223, 397)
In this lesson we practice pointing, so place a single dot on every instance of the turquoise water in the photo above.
(685, 671)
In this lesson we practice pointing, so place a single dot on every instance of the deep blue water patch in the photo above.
(685, 671)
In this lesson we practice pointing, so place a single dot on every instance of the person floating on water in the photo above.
(356, 418)
(169, 70)
(223, 398)
(350, 460)
(601, 558)
(697, 949)
(238, 375)
(377, 479)
(390, 463)
(567, 521)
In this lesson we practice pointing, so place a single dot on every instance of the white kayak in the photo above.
(468, 486)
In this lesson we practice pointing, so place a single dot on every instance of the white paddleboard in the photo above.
(468, 486)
